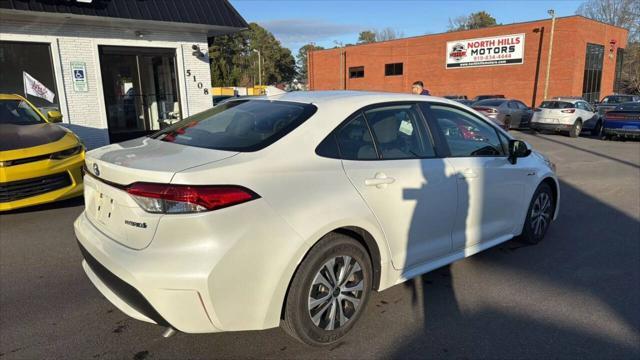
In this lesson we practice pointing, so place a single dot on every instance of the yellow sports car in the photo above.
(40, 161)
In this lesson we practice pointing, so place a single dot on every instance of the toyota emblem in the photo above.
(96, 170)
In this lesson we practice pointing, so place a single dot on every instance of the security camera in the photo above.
(195, 47)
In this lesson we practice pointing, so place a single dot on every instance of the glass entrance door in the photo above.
(140, 90)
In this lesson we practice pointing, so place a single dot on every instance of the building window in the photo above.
(617, 81)
(356, 72)
(592, 72)
(35, 60)
(393, 69)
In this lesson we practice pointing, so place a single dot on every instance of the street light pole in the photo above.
(259, 68)
(553, 25)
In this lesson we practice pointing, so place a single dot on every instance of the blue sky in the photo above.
(298, 22)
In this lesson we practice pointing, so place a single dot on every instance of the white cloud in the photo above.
(294, 33)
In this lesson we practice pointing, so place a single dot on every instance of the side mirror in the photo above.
(54, 116)
(518, 149)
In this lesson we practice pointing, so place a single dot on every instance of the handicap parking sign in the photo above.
(78, 74)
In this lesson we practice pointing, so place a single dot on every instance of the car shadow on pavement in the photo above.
(574, 295)
(628, 163)
(73, 202)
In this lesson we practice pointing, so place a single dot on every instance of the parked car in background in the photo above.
(484, 97)
(610, 102)
(566, 115)
(508, 113)
(622, 122)
(40, 161)
(184, 229)
(464, 102)
(455, 97)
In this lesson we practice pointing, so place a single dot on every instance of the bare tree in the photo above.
(388, 34)
(477, 20)
(626, 14)
(458, 23)
(623, 13)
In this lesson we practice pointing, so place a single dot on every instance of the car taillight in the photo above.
(181, 199)
(568, 111)
(618, 116)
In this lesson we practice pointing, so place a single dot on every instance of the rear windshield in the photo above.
(491, 102)
(242, 125)
(556, 105)
(18, 112)
(616, 99)
(630, 106)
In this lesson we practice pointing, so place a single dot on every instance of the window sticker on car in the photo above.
(406, 127)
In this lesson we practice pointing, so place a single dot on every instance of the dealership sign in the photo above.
(489, 51)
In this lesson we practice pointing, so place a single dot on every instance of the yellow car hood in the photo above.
(49, 142)
(13, 137)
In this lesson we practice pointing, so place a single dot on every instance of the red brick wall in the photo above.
(424, 59)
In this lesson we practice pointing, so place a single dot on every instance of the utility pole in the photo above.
(553, 25)
(342, 65)
(259, 68)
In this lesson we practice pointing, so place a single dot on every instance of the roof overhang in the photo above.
(132, 24)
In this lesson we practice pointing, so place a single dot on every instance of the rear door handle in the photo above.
(467, 174)
(380, 181)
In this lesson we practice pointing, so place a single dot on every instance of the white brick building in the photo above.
(138, 64)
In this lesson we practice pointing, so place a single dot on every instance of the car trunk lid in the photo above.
(112, 168)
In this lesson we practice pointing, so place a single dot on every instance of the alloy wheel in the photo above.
(541, 214)
(336, 293)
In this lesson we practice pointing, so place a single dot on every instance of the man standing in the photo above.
(418, 88)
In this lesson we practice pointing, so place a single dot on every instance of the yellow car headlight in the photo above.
(67, 153)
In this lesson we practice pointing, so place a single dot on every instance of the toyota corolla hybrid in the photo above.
(290, 210)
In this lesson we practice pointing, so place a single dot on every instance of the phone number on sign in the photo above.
(492, 57)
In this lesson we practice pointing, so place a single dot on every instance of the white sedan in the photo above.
(292, 209)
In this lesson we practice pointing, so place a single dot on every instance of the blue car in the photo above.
(622, 122)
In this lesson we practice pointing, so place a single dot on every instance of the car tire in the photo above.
(539, 215)
(317, 312)
(576, 129)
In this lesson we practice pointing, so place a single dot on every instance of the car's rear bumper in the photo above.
(634, 133)
(622, 128)
(138, 287)
(224, 270)
(550, 127)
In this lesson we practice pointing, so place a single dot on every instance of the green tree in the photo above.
(302, 57)
(235, 63)
(227, 60)
(477, 20)
(366, 37)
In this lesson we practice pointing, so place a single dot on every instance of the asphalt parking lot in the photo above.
(575, 295)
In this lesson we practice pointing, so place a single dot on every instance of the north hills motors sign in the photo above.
(488, 51)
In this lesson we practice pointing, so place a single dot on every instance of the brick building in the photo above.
(118, 68)
(506, 59)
